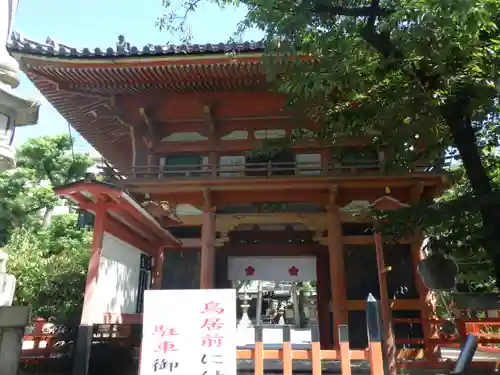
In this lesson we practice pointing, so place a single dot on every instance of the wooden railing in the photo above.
(487, 330)
(44, 343)
(42, 346)
(267, 169)
(287, 354)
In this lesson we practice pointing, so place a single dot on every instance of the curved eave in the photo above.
(112, 78)
(137, 61)
(119, 205)
(75, 90)
(102, 134)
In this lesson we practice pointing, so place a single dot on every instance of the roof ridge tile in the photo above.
(19, 43)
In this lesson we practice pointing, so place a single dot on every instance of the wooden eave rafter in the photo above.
(115, 200)
(135, 62)
(88, 76)
(76, 89)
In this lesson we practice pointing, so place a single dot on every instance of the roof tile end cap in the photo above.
(51, 47)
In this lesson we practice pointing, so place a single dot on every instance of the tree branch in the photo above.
(351, 12)
(383, 44)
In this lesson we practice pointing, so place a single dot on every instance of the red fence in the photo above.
(40, 344)
(43, 345)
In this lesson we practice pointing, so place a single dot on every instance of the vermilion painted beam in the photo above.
(266, 249)
(74, 191)
(91, 206)
(310, 189)
(118, 204)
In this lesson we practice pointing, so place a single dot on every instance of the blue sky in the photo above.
(97, 23)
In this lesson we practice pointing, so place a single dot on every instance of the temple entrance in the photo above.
(274, 291)
(282, 276)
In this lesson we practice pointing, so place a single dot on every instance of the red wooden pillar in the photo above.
(207, 252)
(81, 354)
(390, 347)
(323, 298)
(93, 269)
(159, 258)
(326, 160)
(337, 271)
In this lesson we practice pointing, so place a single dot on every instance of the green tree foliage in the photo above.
(48, 257)
(50, 265)
(52, 159)
(454, 223)
(26, 191)
(424, 74)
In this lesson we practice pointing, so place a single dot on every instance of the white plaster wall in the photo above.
(118, 281)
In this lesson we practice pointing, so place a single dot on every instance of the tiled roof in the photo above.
(18, 43)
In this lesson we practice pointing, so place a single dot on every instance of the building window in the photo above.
(183, 165)
(85, 219)
(359, 157)
(308, 164)
(270, 134)
(232, 165)
(281, 163)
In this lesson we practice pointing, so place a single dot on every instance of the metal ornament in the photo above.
(438, 272)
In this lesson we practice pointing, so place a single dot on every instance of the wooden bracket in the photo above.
(151, 127)
(209, 112)
(333, 194)
(208, 204)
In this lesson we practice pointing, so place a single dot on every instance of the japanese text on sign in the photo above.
(212, 325)
(180, 325)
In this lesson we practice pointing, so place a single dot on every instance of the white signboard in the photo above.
(272, 268)
(189, 332)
